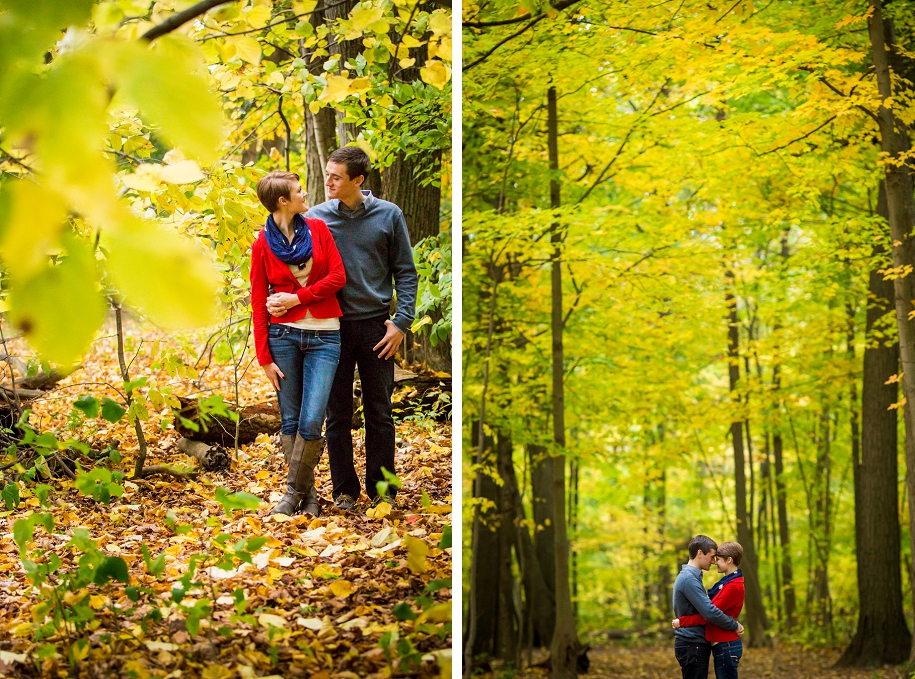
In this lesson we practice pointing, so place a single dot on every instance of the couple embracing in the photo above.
(321, 291)
(706, 622)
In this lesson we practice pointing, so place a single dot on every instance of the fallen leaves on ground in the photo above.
(320, 594)
(657, 662)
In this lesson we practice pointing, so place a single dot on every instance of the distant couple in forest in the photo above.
(706, 622)
(322, 282)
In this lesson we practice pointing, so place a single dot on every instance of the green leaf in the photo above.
(11, 495)
(112, 568)
(88, 405)
(239, 500)
(59, 308)
(445, 542)
(112, 411)
(42, 490)
(166, 276)
(403, 611)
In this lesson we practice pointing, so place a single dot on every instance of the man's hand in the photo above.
(280, 302)
(675, 623)
(274, 374)
(390, 342)
(739, 630)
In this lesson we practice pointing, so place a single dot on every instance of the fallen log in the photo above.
(211, 458)
(261, 418)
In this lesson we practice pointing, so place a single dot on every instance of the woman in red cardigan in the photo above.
(727, 596)
(296, 272)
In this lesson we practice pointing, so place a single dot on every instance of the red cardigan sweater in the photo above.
(318, 296)
(729, 601)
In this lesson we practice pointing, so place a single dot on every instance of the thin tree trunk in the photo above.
(564, 645)
(757, 622)
(882, 635)
(543, 508)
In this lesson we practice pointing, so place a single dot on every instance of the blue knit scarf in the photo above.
(721, 583)
(298, 252)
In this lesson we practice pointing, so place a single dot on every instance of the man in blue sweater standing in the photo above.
(690, 646)
(373, 241)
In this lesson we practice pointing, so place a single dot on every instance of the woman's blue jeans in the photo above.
(727, 656)
(308, 360)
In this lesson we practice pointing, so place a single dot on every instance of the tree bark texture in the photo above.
(882, 636)
(894, 141)
(757, 622)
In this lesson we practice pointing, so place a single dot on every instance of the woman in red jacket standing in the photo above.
(727, 596)
(296, 272)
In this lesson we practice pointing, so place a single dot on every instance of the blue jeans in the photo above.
(693, 657)
(308, 360)
(727, 656)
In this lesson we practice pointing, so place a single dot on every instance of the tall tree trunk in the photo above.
(506, 641)
(320, 131)
(894, 141)
(882, 636)
(564, 645)
(757, 622)
(543, 507)
(784, 538)
(822, 534)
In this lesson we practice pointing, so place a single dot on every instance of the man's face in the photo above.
(338, 183)
(705, 560)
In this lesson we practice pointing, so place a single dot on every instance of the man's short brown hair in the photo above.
(700, 543)
(274, 186)
(732, 550)
(356, 160)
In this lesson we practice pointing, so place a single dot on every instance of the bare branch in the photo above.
(177, 20)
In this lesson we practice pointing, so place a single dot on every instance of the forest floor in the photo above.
(656, 662)
(318, 598)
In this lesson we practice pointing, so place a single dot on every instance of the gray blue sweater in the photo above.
(690, 598)
(375, 247)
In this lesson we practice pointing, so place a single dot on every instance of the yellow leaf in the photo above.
(97, 601)
(337, 89)
(183, 172)
(437, 613)
(360, 85)
(246, 48)
(262, 474)
(36, 216)
(217, 672)
(416, 554)
(323, 570)
(341, 588)
(266, 619)
(435, 73)
(145, 178)
(258, 16)
(440, 23)
(262, 438)
(362, 17)
(310, 623)
(379, 512)
(410, 41)
(407, 63)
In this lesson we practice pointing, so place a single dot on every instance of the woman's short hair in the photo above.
(356, 160)
(732, 550)
(274, 186)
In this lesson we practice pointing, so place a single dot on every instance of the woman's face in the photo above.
(296, 201)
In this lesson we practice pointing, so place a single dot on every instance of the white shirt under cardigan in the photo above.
(310, 322)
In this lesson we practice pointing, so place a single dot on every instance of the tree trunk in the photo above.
(894, 141)
(757, 622)
(564, 645)
(882, 636)
(822, 534)
(506, 640)
(320, 130)
(545, 523)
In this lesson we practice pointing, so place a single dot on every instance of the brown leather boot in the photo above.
(313, 451)
(287, 441)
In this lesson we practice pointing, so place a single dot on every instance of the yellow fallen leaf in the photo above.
(262, 438)
(341, 588)
(217, 672)
(323, 570)
(379, 512)
(310, 623)
(267, 619)
(416, 554)
(96, 601)
(437, 613)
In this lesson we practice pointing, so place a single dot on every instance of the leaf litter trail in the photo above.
(657, 662)
(321, 592)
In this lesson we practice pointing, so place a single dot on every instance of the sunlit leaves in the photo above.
(60, 307)
(164, 275)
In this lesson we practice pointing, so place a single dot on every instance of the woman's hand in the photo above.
(675, 623)
(274, 374)
(280, 302)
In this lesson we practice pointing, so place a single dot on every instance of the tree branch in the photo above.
(177, 20)
(559, 6)
(816, 129)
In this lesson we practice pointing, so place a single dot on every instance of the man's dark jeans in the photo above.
(693, 657)
(357, 339)
(727, 656)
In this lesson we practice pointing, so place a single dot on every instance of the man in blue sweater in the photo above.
(690, 646)
(373, 241)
